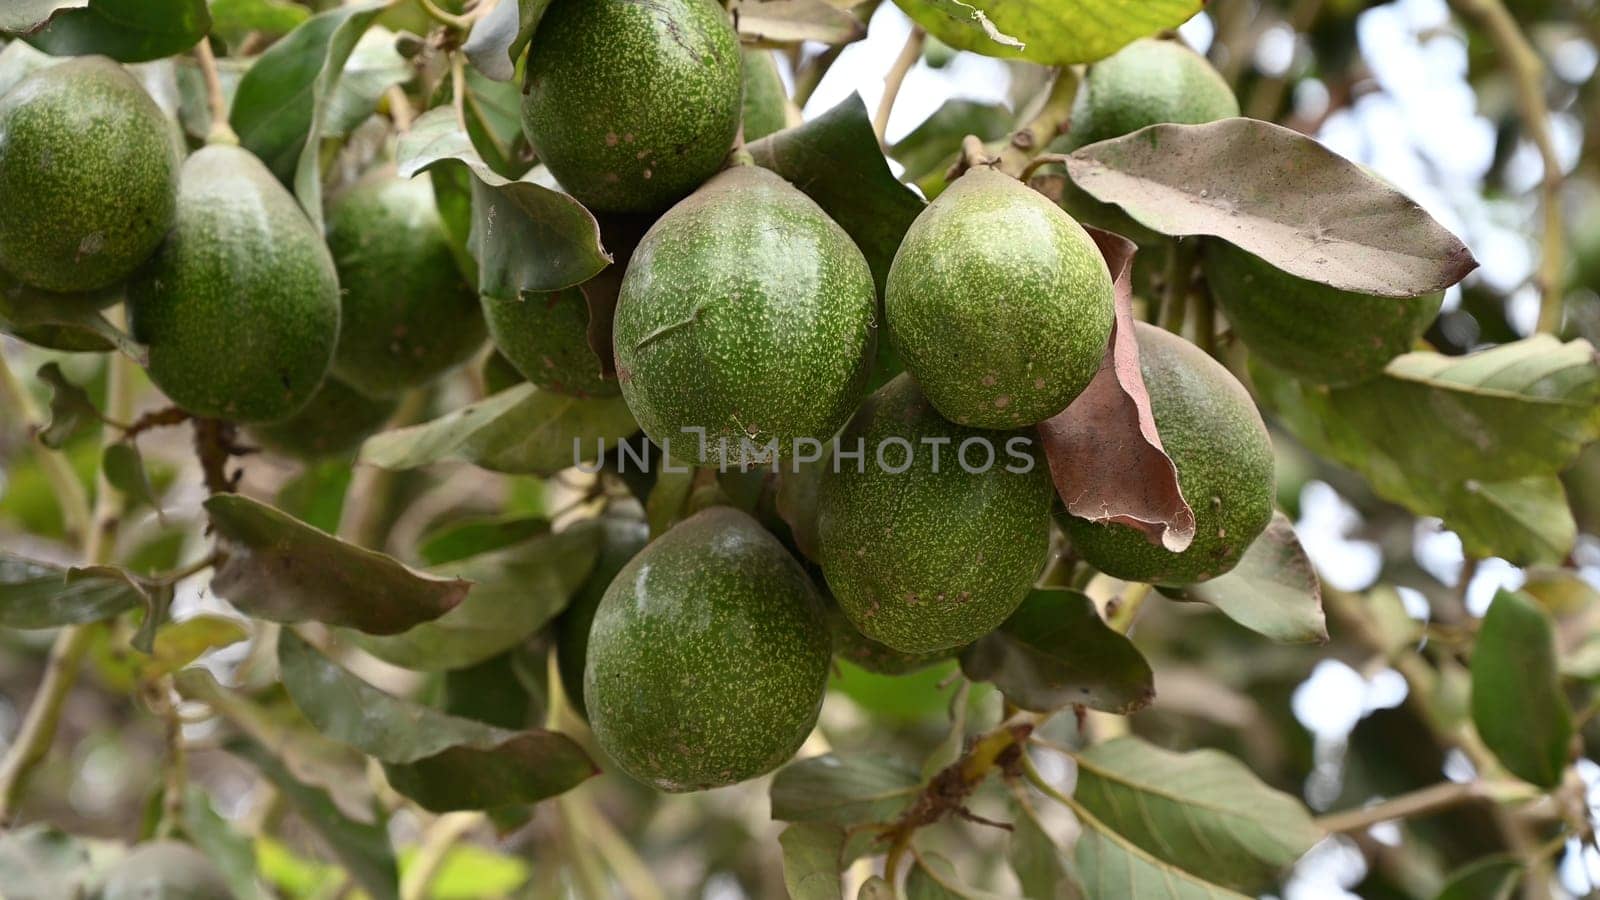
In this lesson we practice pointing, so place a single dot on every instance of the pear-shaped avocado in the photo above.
(766, 101)
(88, 173)
(336, 421)
(545, 337)
(748, 313)
(880, 659)
(1148, 82)
(1211, 429)
(407, 313)
(240, 306)
(708, 656)
(999, 303)
(622, 539)
(1310, 330)
(165, 870)
(935, 554)
(630, 104)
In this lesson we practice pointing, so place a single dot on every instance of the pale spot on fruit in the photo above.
(1038, 384)
(1002, 401)
(989, 381)
(611, 139)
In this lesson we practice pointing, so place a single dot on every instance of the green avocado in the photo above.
(999, 303)
(1148, 82)
(936, 555)
(632, 104)
(622, 539)
(545, 337)
(88, 173)
(408, 315)
(879, 659)
(708, 656)
(1310, 330)
(165, 870)
(335, 422)
(240, 306)
(766, 101)
(748, 313)
(1211, 429)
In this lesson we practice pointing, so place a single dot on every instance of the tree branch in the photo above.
(903, 64)
(1420, 802)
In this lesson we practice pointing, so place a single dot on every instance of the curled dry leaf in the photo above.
(1104, 452)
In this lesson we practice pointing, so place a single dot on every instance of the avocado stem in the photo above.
(909, 54)
(221, 132)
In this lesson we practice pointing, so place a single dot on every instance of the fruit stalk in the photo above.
(909, 54)
(221, 131)
(1052, 119)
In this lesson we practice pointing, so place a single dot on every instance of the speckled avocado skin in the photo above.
(88, 173)
(336, 421)
(880, 659)
(1214, 434)
(546, 338)
(1310, 330)
(1147, 83)
(748, 312)
(632, 103)
(168, 870)
(240, 306)
(922, 560)
(766, 102)
(999, 303)
(407, 314)
(622, 538)
(708, 656)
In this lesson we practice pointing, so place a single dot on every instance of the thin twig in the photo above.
(71, 498)
(1040, 162)
(1128, 606)
(437, 841)
(221, 132)
(399, 108)
(461, 23)
(1420, 802)
(903, 64)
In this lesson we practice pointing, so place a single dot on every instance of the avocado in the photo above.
(1211, 429)
(407, 315)
(240, 305)
(545, 337)
(935, 555)
(708, 656)
(621, 540)
(766, 102)
(631, 104)
(1309, 330)
(879, 659)
(335, 422)
(999, 303)
(748, 313)
(89, 173)
(1148, 82)
(165, 870)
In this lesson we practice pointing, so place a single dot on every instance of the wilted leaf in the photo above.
(1517, 703)
(1052, 32)
(1203, 812)
(1056, 651)
(373, 67)
(497, 41)
(813, 860)
(521, 430)
(933, 146)
(515, 592)
(1280, 195)
(124, 470)
(843, 790)
(39, 862)
(1274, 590)
(179, 643)
(62, 321)
(40, 595)
(835, 160)
(1039, 863)
(284, 570)
(1105, 454)
(1490, 878)
(932, 877)
(71, 410)
(233, 852)
(793, 21)
(441, 761)
(125, 30)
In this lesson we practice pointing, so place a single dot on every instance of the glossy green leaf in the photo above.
(1280, 195)
(843, 790)
(836, 161)
(71, 410)
(1056, 651)
(125, 30)
(40, 595)
(441, 761)
(472, 537)
(284, 570)
(932, 147)
(813, 860)
(124, 470)
(1489, 878)
(793, 21)
(521, 430)
(1039, 863)
(933, 877)
(1273, 591)
(1517, 703)
(232, 20)
(1203, 812)
(1052, 32)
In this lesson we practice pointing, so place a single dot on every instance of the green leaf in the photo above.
(1203, 812)
(835, 160)
(1517, 704)
(284, 99)
(374, 66)
(27, 15)
(1040, 865)
(125, 30)
(498, 40)
(233, 852)
(284, 570)
(523, 214)
(71, 322)
(155, 597)
(180, 643)
(933, 146)
(793, 21)
(1051, 32)
(316, 495)
(1490, 878)
(1056, 651)
(232, 20)
(441, 761)
(932, 877)
(39, 862)
(40, 595)
(1110, 865)
(494, 123)
(124, 470)
(813, 856)
(472, 537)
(362, 847)
(1280, 195)
(843, 790)
(1273, 591)
(515, 592)
(71, 410)
(521, 430)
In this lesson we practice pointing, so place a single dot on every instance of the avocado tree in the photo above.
(538, 448)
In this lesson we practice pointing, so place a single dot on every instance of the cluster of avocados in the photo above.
(745, 318)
